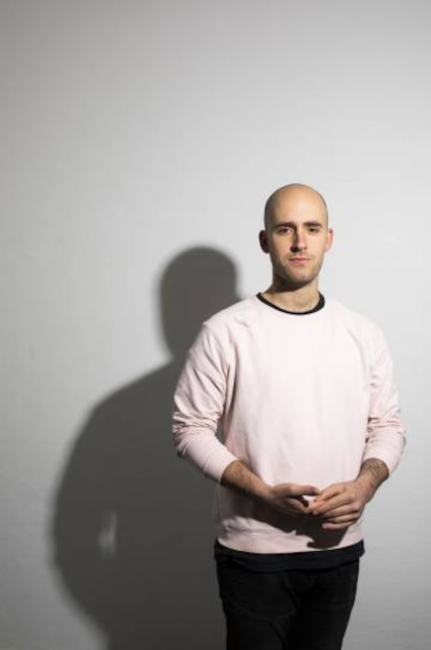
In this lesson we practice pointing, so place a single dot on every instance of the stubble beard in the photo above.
(285, 279)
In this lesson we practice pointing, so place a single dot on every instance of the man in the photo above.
(304, 391)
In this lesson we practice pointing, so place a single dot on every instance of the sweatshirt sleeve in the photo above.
(198, 405)
(385, 437)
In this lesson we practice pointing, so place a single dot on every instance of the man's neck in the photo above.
(304, 299)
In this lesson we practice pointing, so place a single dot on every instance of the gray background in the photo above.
(139, 141)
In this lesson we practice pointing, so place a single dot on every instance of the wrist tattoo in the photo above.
(377, 468)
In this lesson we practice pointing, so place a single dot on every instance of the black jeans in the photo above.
(286, 610)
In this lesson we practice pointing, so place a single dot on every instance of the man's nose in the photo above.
(299, 241)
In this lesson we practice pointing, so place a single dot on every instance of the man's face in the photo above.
(296, 237)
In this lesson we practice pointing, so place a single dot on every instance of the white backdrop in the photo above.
(139, 141)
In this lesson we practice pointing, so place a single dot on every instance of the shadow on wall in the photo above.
(132, 528)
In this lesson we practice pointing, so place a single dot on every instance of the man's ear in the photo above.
(329, 240)
(263, 240)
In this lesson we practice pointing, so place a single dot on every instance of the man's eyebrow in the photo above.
(292, 224)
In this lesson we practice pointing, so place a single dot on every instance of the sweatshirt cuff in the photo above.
(210, 455)
(391, 458)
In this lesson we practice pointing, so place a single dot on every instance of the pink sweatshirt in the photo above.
(301, 398)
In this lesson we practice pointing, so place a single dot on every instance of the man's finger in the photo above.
(331, 491)
(341, 519)
(297, 507)
(341, 511)
(294, 506)
(301, 490)
(322, 507)
(338, 526)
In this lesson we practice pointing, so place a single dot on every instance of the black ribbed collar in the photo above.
(319, 306)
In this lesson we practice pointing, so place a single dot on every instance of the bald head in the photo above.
(295, 193)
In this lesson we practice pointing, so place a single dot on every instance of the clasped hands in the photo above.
(338, 506)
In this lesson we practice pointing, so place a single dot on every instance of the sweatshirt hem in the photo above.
(264, 542)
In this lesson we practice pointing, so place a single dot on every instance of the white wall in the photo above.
(133, 135)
